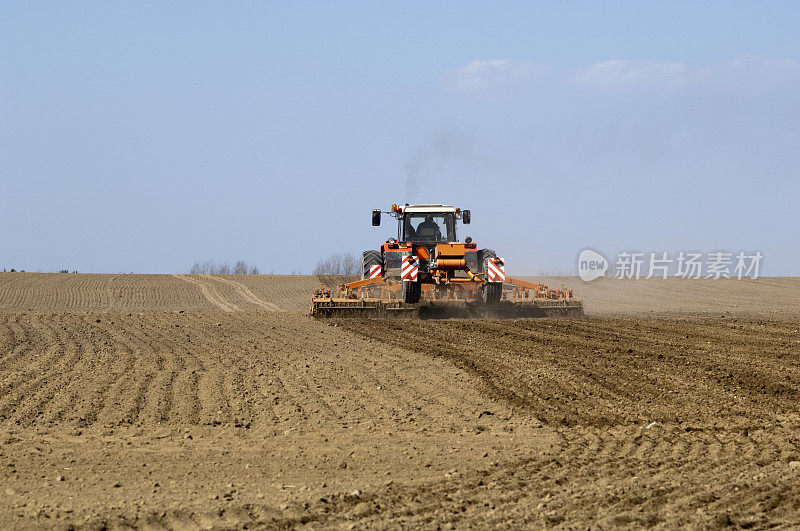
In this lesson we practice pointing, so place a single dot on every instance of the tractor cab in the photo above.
(425, 224)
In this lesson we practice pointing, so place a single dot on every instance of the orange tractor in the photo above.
(427, 272)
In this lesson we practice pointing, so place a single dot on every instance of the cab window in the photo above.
(429, 228)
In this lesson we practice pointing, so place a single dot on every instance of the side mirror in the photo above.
(465, 217)
(376, 217)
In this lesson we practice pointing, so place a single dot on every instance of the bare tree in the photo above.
(350, 266)
(210, 267)
(338, 264)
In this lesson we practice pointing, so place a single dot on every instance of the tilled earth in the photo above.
(197, 401)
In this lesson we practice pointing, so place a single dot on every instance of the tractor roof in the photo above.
(410, 209)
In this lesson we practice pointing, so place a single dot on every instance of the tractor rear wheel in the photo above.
(492, 291)
(483, 255)
(411, 291)
(370, 258)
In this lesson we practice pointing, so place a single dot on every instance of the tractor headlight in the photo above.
(391, 241)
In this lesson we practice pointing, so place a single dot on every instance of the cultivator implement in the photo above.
(382, 298)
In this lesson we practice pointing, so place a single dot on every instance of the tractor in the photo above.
(427, 272)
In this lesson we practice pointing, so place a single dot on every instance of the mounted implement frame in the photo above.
(381, 298)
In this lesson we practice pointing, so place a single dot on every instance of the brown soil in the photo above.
(194, 401)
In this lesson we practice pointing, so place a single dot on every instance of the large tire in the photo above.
(411, 292)
(369, 258)
(483, 255)
(492, 292)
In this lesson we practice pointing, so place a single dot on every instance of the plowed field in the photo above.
(184, 401)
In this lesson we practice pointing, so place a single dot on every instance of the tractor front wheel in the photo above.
(492, 291)
(411, 291)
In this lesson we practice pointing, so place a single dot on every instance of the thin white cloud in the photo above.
(744, 71)
(747, 71)
(635, 74)
(764, 71)
(493, 75)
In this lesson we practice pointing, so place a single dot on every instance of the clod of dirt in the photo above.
(362, 509)
(794, 465)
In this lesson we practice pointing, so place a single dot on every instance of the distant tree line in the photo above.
(13, 270)
(335, 264)
(338, 264)
(240, 267)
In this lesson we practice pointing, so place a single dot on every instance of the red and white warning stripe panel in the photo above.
(496, 267)
(374, 271)
(409, 269)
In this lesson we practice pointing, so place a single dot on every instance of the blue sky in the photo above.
(144, 136)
